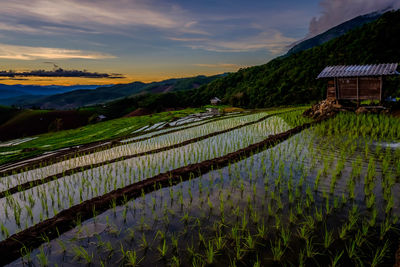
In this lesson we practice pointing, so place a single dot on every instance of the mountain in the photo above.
(79, 98)
(288, 80)
(334, 32)
(11, 91)
(19, 99)
(100, 95)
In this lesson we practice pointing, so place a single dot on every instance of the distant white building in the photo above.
(215, 101)
(101, 118)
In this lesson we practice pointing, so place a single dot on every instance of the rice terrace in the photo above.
(292, 163)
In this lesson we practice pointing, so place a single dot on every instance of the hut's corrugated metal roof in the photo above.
(359, 70)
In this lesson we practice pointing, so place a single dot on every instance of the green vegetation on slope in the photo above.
(31, 122)
(292, 80)
(152, 102)
(7, 113)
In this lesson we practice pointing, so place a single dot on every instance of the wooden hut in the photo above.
(356, 82)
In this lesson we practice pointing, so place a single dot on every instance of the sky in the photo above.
(151, 40)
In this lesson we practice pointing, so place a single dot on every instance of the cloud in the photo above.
(20, 52)
(58, 72)
(186, 39)
(93, 14)
(335, 12)
(211, 31)
(18, 28)
(14, 79)
(272, 41)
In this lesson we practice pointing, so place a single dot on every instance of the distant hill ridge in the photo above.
(84, 97)
(10, 91)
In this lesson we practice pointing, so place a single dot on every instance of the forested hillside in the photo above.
(292, 80)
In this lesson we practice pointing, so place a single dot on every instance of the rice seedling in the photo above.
(380, 254)
(82, 254)
(328, 238)
(352, 250)
(163, 249)
(336, 259)
(210, 253)
(277, 250)
(26, 255)
(285, 236)
(132, 259)
(303, 232)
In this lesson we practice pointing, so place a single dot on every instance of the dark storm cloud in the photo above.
(335, 12)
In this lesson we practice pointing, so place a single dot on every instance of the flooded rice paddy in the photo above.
(313, 200)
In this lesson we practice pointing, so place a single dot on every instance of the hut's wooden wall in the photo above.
(347, 88)
(358, 88)
(331, 91)
(370, 88)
